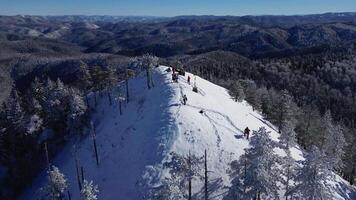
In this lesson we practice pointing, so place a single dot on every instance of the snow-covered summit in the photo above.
(132, 147)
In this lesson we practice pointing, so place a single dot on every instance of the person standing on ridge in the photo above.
(185, 99)
(188, 79)
(247, 132)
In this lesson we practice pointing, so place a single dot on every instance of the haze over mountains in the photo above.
(247, 35)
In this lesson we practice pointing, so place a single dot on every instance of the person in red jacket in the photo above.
(188, 79)
(247, 133)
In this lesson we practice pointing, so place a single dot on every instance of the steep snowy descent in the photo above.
(134, 147)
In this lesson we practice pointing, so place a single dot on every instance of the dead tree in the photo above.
(205, 177)
(77, 170)
(94, 143)
(49, 169)
(190, 178)
(127, 86)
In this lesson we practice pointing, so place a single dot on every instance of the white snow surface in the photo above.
(155, 123)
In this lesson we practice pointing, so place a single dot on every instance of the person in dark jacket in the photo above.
(185, 99)
(247, 132)
(188, 79)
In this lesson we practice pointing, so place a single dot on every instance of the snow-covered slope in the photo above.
(155, 123)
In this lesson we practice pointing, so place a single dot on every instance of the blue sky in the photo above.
(174, 7)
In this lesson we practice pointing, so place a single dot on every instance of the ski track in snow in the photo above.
(154, 123)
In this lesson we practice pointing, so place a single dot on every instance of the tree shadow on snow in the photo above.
(213, 186)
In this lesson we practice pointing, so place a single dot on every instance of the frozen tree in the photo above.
(238, 173)
(250, 92)
(309, 127)
(237, 91)
(146, 62)
(77, 109)
(283, 110)
(55, 100)
(56, 186)
(14, 112)
(288, 136)
(312, 179)
(182, 170)
(89, 191)
(258, 169)
(334, 142)
(35, 124)
(289, 167)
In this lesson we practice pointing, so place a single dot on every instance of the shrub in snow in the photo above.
(89, 191)
(56, 186)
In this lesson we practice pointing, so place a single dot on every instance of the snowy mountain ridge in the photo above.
(134, 147)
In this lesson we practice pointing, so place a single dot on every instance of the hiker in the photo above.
(185, 99)
(176, 77)
(247, 133)
(188, 79)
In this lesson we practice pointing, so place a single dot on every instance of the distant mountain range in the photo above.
(169, 36)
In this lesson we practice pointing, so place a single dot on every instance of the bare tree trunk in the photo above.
(77, 170)
(205, 177)
(120, 107)
(190, 178)
(82, 172)
(49, 169)
(94, 143)
(127, 87)
(148, 77)
(69, 196)
(109, 97)
(95, 100)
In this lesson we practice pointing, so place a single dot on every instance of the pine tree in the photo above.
(312, 179)
(288, 140)
(35, 124)
(182, 170)
(334, 142)
(258, 170)
(283, 110)
(14, 112)
(56, 186)
(237, 91)
(89, 191)
(77, 111)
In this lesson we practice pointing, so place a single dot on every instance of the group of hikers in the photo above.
(175, 75)
(175, 78)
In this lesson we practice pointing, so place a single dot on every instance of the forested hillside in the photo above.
(50, 65)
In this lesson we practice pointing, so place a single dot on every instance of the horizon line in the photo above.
(186, 15)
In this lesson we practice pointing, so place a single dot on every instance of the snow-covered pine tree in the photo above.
(334, 142)
(260, 174)
(237, 91)
(148, 62)
(309, 127)
(34, 124)
(77, 109)
(312, 179)
(250, 90)
(14, 112)
(283, 110)
(238, 173)
(56, 186)
(182, 169)
(55, 100)
(89, 191)
(288, 140)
